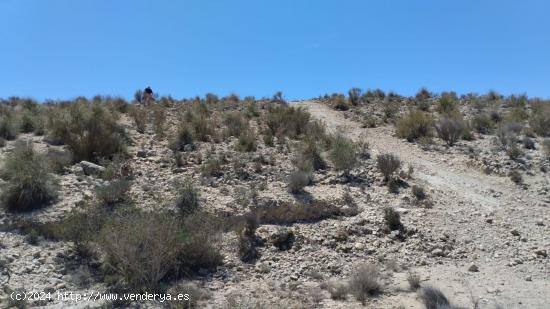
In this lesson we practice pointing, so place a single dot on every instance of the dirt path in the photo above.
(465, 201)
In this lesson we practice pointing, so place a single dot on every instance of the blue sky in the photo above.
(65, 48)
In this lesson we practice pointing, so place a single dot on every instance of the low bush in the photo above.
(337, 290)
(393, 219)
(414, 125)
(418, 192)
(159, 120)
(287, 121)
(187, 200)
(8, 130)
(113, 193)
(482, 123)
(528, 143)
(388, 164)
(434, 299)
(235, 124)
(183, 137)
(514, 152)
(143, 250)
(414, 281)
(447, 106)
(516, 177)
(30, 185)
(365, 282)
(246, 142)
(450, 130)
(343, 153)
(213, 167)
(89, 130)
(339, 103)
(298, 180)
(2, 142)
(248, 241)
(390, 109)
(540, 119)
(311, 153)
(354, 95)
(139, 115)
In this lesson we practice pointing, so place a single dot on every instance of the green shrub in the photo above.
(90, 131)
(183, 137)
(390, 109)
(418, 192)
(8, 129)
(355, 95)
(540, 120)
(434, 299)
(528, 143)
(482, 123)
(139, 115)
(287, 121)
(516, 177)
(113, 193)
(246, 142)
(450, 130)
(142, 249)
(30, 186)
(235, 124)
(365, 282)
(298, 180)
(268, 139)
(212, 167)
(388, 164)
(393, 219)
(187, 200)
(343, 153)
(514, 152)
(26, 123)
(310, 152)
(414, 125)
(159, 120)
(339, 103)
(447, 106)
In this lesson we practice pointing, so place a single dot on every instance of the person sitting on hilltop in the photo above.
(148, 95)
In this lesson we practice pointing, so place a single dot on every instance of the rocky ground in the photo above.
(479, 237)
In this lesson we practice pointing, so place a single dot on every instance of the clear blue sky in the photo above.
(64, 48)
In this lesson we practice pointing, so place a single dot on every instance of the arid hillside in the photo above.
(364, 200)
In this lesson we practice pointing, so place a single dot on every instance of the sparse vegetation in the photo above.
(433, 298)
(393, 219)
(113, 193)
(450, 130)
(388, 164)
(365, 282)
(30, 185)
(414, 125)
(343, 153)
(187, 200)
